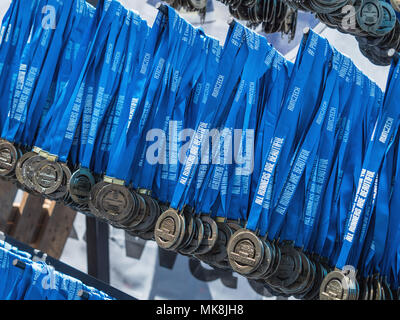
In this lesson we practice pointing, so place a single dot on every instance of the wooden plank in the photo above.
(8, 191)
(32, 218)
(55, 233)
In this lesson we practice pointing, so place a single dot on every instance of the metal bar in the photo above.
(98, 257)
(68, 270)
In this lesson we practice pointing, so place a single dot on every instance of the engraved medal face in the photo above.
(370, 15)
(168, 228)
(48, 177)
(198, 4)
(210, 235)
(335, 286)
(8, 158)
(181, 235)
(80, 185)
(245, 251)
(28, 171)
(115, 202)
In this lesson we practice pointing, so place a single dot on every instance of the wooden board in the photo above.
(55, 233)
(32, 218)
(8, 191)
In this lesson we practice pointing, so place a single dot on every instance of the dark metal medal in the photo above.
(210, 235)
(168, 229)
(47, 177)
(245, 251)
(197, 238)
(80, 185)
(115, 202)
(289, 267)
(8, 158)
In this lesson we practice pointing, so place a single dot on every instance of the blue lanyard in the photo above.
(304, 158)
(157, 106)
(384, 131)
(147, 78)
(83, 18)
(14, 41)
(342, 172)
(178, 73)
(62, 120)
(285, 129)
(113, 57)
(276, 90)
(25, 69)
(210, 110)
(315, 169)
(169, 171)
(393, 234)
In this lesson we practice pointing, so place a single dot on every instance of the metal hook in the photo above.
(19, 264)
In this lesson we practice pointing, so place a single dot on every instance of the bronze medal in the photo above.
(135, 222)
(219, 253)
(168, 229)
(48, 177)
(265, 264)
(190, 228)
(302, 281)
(181, 235)
(28, 169)
(319, 277)
(289, 267)
(210, 235)
(197, 238)
(337, 286)
(115, 202)
(93, 200)
(62, 191)
(310, 283)
(19, 165)
(153, 214)
(275, 262)
(8, 158)
(80, 185)
(245, 251)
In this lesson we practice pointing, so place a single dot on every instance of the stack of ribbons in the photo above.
(285, 173)
(23, 279)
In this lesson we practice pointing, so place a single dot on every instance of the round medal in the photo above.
(8, 158)
(245, 251)
(115, 202)
(197, 238)
(80, 185)
(210, 235)
(48, 177)
(168, 228)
